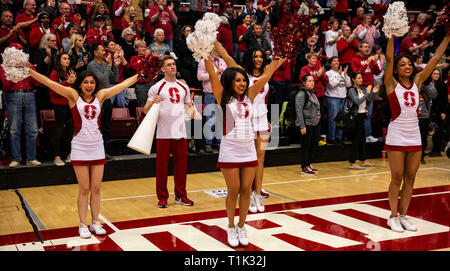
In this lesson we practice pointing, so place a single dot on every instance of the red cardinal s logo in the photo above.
(90, 112)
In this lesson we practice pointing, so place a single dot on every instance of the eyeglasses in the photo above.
(52, 40)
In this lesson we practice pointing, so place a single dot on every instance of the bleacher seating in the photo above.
(122, 124)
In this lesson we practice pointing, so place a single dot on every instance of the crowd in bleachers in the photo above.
(112, 38)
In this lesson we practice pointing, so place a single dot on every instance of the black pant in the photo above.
(309, 142)
(358, 148)
(424, 126)
(105, 121)
(63, 130)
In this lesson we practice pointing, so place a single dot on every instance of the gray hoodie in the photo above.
(428, 93)
(307, 114)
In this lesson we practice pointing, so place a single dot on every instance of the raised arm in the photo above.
(389, 80)
(423, 75)
(106, 93)
(265, 77)
(67, 92)
(225, 56)
(215, 82)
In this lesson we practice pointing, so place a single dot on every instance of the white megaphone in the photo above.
(143, 137)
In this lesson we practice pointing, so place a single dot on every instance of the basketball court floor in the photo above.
(337, 210)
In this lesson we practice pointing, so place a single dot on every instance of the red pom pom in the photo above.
(151, 68)
(442, 18)
(288, 38)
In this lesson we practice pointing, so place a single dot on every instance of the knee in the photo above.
(83, 190)
(396, 179)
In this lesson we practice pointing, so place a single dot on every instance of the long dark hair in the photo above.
(248, 63)
(62, 75)
(80, 77)
(397, 59)
(227, 80)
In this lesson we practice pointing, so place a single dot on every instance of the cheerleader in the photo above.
(87, 151)
(403, 141)
(237, 153)
(254, 63)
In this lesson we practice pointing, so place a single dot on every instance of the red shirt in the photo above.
(36, 35)
(341, 6)
(55, 98)
(347, 50)
(23, 17)
(367, 70)
(117, 20)
(240, 30)
(27, 83)
(407, 43)
(94, 36)
(164, 21)
(225, 37)
(283, 73)
(136, 63)
(13, 39)
(319, 82)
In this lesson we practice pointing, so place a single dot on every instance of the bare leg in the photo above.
(412, 163)
(396, 164)
(232, 179)
(83, 178)
(261, 143)
(96, 180)
(247, 175)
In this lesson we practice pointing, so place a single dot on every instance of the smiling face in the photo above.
(404, 67)
(88, 86)
(239, 84)
(335, 64)
(258, 59)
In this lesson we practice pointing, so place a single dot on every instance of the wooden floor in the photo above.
(54, 207)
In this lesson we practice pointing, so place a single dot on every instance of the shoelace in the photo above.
(232, 233)
(242, 233)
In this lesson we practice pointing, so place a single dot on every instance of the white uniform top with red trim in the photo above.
(403, 130)
(171, 122)
(237, 147)
(87, 142)
(260, 101)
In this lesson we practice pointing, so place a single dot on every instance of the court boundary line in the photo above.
(274, 183)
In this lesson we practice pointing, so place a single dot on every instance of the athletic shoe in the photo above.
(307, 171)
(209, 149)
(371, 139)
(407, 224)
(162, 203)
(356, 167)
(68, 159)
(97, 228)
(252, 206)
(232, 237)
(34, 163)
(264, 195)
(184, 201)
(367, 164)
(259, 203)
(313, 169)
(14, 164)
(322, 143)
(59, 162)
(242, 235)
(84, 231)
(394, 223)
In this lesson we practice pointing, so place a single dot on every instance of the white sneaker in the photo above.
(232, 237)
(259, 202)
(59, 162)
(33, 163)
(242, 235)
(97, 228)
(252, 207)
(406, 223)
(394, 223)
(14, 164)
(84, 231)
(371, 139)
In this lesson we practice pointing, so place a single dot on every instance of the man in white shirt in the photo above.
(331, 38)
(173, 95)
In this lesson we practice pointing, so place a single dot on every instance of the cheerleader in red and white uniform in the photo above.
(87, 152)
(403, 138)
(254, 63)
(237, 154)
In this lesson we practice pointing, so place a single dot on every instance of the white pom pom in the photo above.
(201, 41)
(14, 64)
(396, 20)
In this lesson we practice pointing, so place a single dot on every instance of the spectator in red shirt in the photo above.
(225, 35)
(21, 110)
(63, 116)
(347, 47)
(137, 62)
(28, 15)
(411, 44)
(148, 26)
(162, 16)
(281, 81)
(9, 33)
(37, 32)
(359, 17)
(129, 20)
(315, 68)
(287, 10)
(119, 7)
(240, 31)
(60, 24)
(340, 9)
(98, 34)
